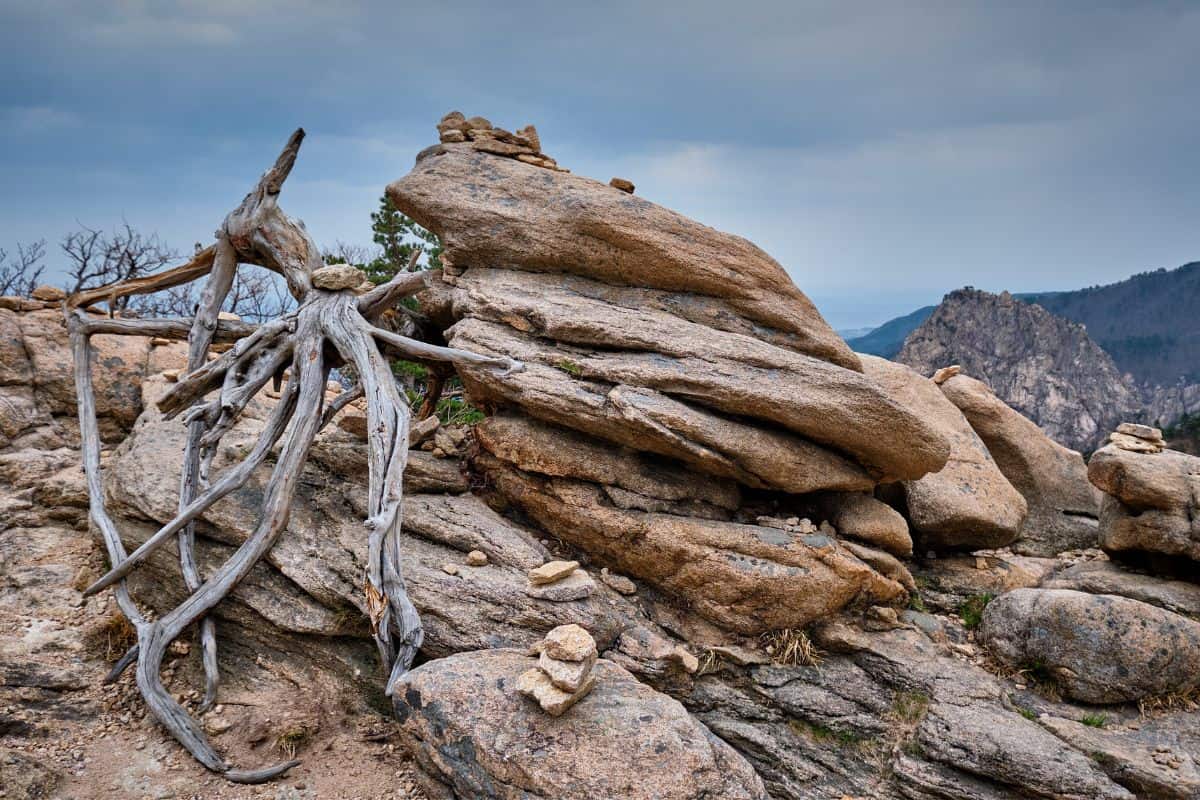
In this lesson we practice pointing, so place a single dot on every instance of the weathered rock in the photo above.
(490, 211)
(618, 583)
(537, 685)
(650, 421)
(1134, 444)
(1063, 506)
(747, 577)
(622, 185)
(861, 516)
(1105, 577)
(731, 372)
(552, 572)
(568, 676)
(1099, 648)
(1146, 432)
(576, 586)
(474, 736)
(1152, 504)
(48, 294)
(335, 277)
(968, 503)
(568, 643)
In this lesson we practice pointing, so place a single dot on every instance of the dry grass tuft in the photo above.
(1167, 703)
(111, 637)
(791, 647)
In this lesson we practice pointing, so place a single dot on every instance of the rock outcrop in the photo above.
(475, 736)
(1044, 366)
(968, 504)
(37, 385)
(1097, 648)
(1063, 506)
(1151, 504)
(668, 368)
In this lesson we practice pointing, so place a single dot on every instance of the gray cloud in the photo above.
(884, 152)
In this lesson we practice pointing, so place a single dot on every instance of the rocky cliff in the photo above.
(1046, 367)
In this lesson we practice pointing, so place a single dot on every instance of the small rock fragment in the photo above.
(452, 137)
(477, 558)
(48, 294)
(530, 133)
(450, 569)
(575, 586)
(535, 684)
(946, 373)
(479, 123)
(1134, 444)
(171, 375)
(618, 583)
(622, 184)
(336, 277)
(1140, 431)
(552, 571)
(569, 676)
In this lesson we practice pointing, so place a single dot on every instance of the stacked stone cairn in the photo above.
(524, 145)
(560, 582)
(563, 675)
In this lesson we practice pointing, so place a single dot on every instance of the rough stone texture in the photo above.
(1046, 367)
(1104, 577)
(1099, 648)
(552, 571)
(475, 737)
(1063, 506)
(335, 277)
(569, 676)
(569, 643)
(1152, 503)
(492, 211)
(968, 503)
(539, 686)
(576, 586)
(861, 516)
(37, 387)
(314, 572)
(747, 577)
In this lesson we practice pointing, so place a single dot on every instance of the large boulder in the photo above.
(492, 211)
(1063, 506)
(1152, 503)
(474, 736)
(968, 504)
(674, 531)
(1097, 648)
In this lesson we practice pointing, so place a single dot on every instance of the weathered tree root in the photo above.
(258, 232)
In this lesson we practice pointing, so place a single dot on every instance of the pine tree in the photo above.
(398, 236)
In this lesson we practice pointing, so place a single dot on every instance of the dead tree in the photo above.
(327, 329)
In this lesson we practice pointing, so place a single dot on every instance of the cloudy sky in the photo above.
(884, 152)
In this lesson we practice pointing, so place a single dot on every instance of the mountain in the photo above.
(1148, 323)
(1045, 366)
(886, 340)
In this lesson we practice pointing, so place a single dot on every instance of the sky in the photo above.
(884, 152)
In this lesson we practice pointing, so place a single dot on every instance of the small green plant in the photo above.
(409, 369)
(824, 733)
(916, 603)
(910, 707)
(971, 610)
(457, 411)
(1094, 720)
(1027, 713)
(791, 647)
(570, 367)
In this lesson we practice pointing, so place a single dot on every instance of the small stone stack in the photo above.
(1137, 438)
(524, 145)
(563, 675)
(42, 297)
(560, 582)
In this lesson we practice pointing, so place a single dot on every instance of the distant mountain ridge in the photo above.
(1043, 365)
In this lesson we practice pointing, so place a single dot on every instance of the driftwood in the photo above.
(327, 329)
